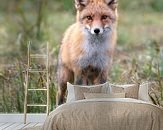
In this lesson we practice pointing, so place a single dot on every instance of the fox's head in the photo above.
(97, 16)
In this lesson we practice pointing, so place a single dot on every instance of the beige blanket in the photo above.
(105, 114)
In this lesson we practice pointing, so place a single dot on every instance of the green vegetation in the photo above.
(138, 57)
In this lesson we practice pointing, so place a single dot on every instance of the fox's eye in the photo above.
(89, 17)
(104, 17)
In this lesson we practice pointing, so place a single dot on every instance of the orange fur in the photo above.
(90, 14)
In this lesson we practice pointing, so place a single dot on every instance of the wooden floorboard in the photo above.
(1, 124)
(21, 126)
(19, 118)
(16, 121)
(30, 125)
(6, 125)
(12, 127)
(18, 126)
(39, 124)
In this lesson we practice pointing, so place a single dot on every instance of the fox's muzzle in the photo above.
(97, 30)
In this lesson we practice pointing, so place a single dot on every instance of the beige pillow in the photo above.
(149, 92)
(103, 95)
(143, 92)
(76, 92)
(130, 90)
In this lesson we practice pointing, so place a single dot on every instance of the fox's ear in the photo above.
(112, 3)
(80, 4)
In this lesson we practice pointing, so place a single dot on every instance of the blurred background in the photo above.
(138, 57)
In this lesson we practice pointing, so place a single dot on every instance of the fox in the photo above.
(87, 48)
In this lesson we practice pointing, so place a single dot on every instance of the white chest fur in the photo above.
(95, 52)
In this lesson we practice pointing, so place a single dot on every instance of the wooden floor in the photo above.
(17, 126)
(15, 121)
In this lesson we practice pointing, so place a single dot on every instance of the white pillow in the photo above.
(73, 90)
(144, 92)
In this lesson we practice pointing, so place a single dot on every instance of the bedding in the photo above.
(144, 92)
(76, 92)
(131, 90)
(150, 92)
(103, 95)
(105, 114)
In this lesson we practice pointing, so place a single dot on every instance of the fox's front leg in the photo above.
(80, 79)
(102, 77)
(64, 76)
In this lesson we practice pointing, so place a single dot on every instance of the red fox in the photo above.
(87, 48)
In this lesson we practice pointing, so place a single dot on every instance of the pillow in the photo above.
(143, 92)
(149, 90)
(130, 90)
(76, 92)
(103, 95)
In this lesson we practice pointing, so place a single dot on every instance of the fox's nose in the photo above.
(97, 30)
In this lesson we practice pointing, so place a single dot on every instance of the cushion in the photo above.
(143, 92)
(76, 92)
(103, 95)
(149, 92)
(130, 90)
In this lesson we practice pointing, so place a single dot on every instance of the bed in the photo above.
(105, 114)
